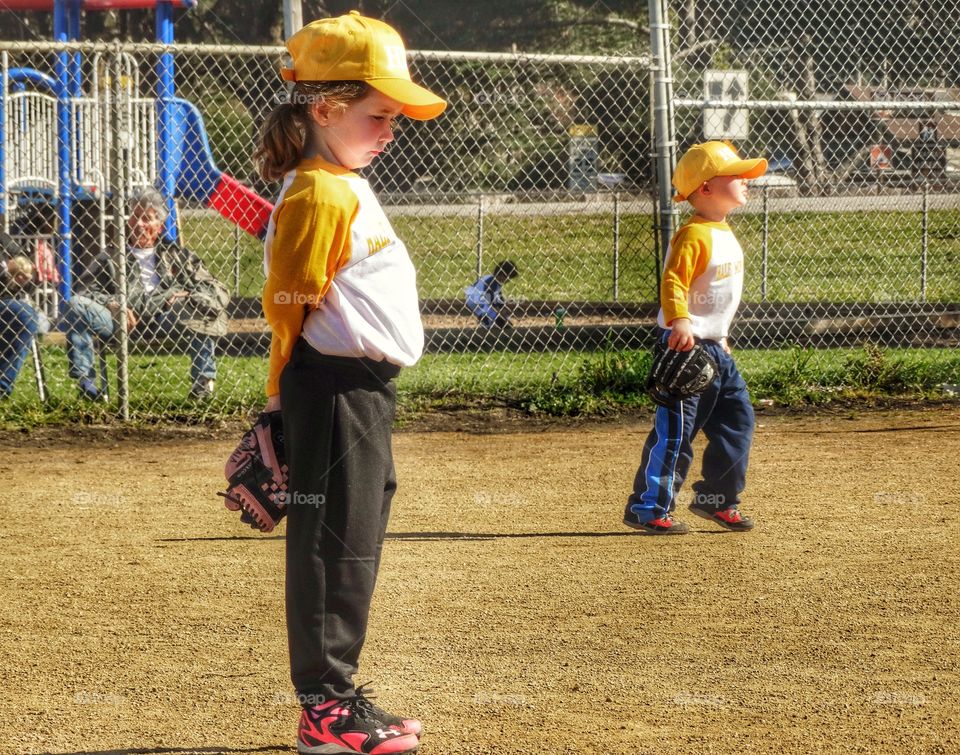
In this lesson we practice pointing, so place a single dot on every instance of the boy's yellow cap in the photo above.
(708, 160)
(356, 48)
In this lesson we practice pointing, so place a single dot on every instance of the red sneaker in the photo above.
(346, 726)
(665, 525)
(729, 518)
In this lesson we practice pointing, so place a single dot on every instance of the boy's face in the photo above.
(720, 194)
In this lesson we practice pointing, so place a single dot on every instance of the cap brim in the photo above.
(745, 168)
(418, 103)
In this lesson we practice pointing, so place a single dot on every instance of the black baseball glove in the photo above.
(676, 375)
(257, 474)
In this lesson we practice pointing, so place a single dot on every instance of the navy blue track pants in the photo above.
(724, 413)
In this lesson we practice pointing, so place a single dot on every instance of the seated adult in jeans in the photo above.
(19, 321)
(169, 292)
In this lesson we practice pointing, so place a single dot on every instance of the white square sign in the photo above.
(725, 123)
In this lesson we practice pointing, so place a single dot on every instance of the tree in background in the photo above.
(496, 25)
(818, 48)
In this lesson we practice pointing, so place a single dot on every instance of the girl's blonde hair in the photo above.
(283, 135)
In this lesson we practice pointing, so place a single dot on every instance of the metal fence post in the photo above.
(925, 242)
(655, 204)
(292, 17)
(479, 235)
(4, 156)
(236, 260)
(616, 246)
(119, 158)
(765, 243)
(663, 119)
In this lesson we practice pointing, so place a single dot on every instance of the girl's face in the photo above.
(353, 137)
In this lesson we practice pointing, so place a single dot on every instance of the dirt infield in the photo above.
(515, 614)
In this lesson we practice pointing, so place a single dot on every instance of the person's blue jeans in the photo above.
(18, 325)
(482, 309)
(485, 311)
(85, 318)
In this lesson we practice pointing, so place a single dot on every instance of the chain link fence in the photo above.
(541, 160)
(852, 236)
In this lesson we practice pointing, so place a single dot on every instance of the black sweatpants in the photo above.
(338, 414)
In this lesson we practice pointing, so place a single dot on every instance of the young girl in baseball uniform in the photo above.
(342, 305)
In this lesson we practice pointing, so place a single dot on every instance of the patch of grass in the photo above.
(158, 392)
(564, 384)
(612, 381)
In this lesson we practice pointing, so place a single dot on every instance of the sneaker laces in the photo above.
(363, 703)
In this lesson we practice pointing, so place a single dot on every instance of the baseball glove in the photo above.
(676, 375)
(257, 474)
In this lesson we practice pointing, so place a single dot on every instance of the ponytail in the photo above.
(283, 136)
(282, 140)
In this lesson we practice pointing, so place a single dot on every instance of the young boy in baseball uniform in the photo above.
(699, 294)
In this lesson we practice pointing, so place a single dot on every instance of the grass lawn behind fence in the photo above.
(835, 257)
(853, 256)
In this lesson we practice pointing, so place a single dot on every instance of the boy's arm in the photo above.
(688, 259)
(311, 242)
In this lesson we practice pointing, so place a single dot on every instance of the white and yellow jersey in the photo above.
(702, 278)
(337, 273)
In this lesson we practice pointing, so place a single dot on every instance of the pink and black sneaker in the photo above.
(348, 726)
(406, 725)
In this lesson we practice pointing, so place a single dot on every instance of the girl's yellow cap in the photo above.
(357, 48)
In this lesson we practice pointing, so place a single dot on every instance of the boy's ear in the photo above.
(704, 188)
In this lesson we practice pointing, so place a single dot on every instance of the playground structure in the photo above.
(56, 140)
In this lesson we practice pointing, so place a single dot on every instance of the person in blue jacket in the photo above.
(485, 296)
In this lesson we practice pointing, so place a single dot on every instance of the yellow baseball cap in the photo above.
(708, 160)
(357, 48)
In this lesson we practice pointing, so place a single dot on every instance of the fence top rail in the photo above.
(278, 50)
(787, 104)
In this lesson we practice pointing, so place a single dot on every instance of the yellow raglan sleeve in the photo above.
(311, 242)
(689, 257)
